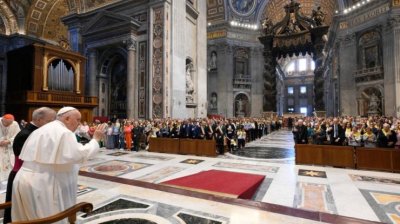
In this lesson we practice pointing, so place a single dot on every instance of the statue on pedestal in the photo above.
(213, 61)
(318, 16)
(213, 102)
(373, 106)
(267, 26)
(189, 84)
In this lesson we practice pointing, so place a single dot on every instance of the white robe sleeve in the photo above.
(54, 144)
(71, 151)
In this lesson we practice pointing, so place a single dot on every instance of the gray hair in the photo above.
(41, 113)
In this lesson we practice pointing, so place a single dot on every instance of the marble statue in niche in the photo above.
(373, 106)
(189, 83)
(213, 101)
(213, 61)
(371, 55)
(241, 104)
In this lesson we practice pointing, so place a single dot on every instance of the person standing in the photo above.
(336, 133)
(300, 133)
(9, 128)
(46, 184)
(386, 138)
(40, 117)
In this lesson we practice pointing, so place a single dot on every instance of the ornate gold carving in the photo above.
(216, 34)
(275, 9)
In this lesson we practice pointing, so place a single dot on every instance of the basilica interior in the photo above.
(181, 59)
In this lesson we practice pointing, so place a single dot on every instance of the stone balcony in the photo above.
(242, 82)
(369, 74)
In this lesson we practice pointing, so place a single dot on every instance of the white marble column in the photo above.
(131, 87)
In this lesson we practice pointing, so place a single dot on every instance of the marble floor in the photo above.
(124, 186)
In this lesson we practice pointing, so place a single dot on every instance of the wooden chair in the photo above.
(70, 213)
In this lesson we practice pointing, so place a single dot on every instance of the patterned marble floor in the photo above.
(124, 186)
(276, 146)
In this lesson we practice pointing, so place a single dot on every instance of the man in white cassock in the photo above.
(46, 184)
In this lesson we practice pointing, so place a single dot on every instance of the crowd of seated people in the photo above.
(129, 134)
(371, 132)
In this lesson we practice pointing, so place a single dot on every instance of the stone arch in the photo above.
(369, 49)
(241, 105)
(8, 18)
(112, 68)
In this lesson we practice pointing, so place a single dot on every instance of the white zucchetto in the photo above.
(65, 110)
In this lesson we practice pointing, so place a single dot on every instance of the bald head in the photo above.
(42, 116)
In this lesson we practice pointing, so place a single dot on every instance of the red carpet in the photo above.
(229, 184)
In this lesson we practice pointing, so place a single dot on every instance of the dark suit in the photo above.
(19, 141)
(300, 135)
(209, 132)
(185, 131)
(337, 134)
(383, 140)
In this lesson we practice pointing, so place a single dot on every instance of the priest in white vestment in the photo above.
(8, 130)
(46, 184)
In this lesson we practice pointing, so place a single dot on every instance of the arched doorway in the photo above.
(113, 84)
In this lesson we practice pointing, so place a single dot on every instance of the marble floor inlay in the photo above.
(152, 157)
(272, 146)
(117, 153)
(316, 197)
(129, 221)
(290, 194)
(84, 189)
(115, 167)
(370, 179)
(242, 166)
(192, 161)
(188, 218)
(123, 208)
(386, 205)
(118, 204)
(160, 174)
(312, 173)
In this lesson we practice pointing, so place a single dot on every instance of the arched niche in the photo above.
(369, 50)
(242, 105)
